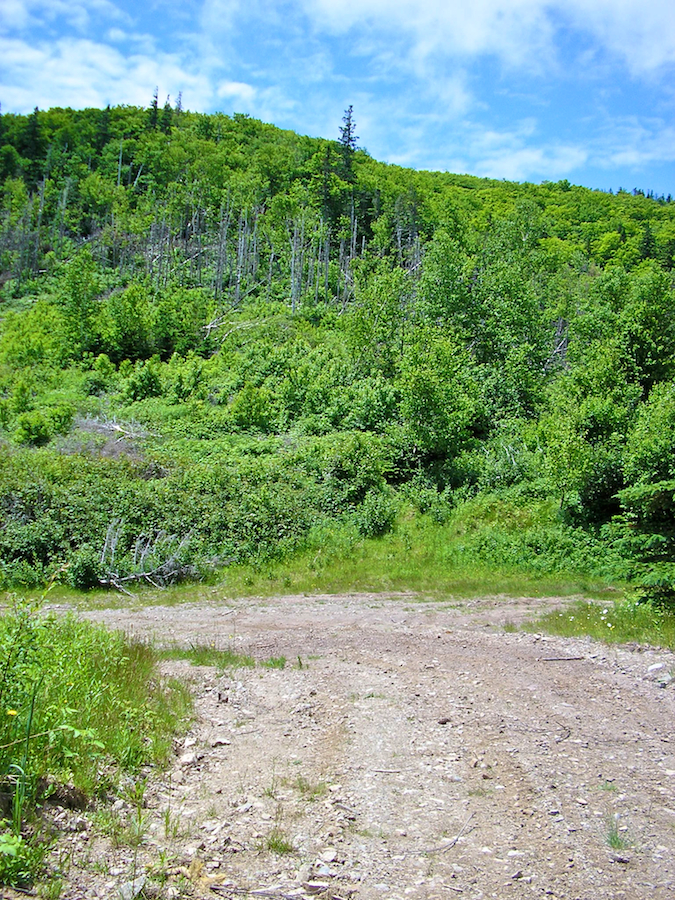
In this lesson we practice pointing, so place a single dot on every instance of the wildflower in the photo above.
(12, 712)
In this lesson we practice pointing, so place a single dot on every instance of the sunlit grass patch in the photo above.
(615, 623)
(79, 706)
(209, 655)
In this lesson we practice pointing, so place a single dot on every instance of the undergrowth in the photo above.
(78, 706)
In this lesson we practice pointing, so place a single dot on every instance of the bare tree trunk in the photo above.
(36, 248)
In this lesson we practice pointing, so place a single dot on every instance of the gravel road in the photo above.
(408, 749)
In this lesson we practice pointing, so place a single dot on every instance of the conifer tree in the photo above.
(348, 139)
(166, 119)
(153, 116)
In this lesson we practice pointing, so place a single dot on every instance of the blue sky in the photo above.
(517, 89)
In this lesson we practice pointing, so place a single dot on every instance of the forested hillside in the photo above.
(223, 342)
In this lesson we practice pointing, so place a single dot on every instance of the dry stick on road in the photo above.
(450, 844)
(560, 658)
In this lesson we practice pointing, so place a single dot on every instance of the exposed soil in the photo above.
(408, 749)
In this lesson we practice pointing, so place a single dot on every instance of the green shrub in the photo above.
(143, 381)
(377, 514)
(33, 428)
(85, 568)
(19, 859)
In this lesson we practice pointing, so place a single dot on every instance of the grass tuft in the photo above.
(277, 842)
(208, 655)
(275, 662)
(614, 623)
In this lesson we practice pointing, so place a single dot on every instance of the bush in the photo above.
(377, 514)
(85, 568)
(33, 428)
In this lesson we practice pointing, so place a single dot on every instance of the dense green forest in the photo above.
(222, 342)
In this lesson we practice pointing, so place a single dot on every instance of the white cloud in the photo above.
(77, 72)
(25, 15)
(642, 33)
(532, 163)
(635, 143)
(520, 33)
(236, 90)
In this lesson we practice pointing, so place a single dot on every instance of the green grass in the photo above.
(79, 705)
(613, 838)
(277, 842)
(208, 655)
(489, 545)
(275, 662)
(309, 790)
(613, 623)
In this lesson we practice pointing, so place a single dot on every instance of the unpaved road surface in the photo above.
(408, 749)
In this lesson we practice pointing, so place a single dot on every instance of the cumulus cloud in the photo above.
(236, 90)
(79, 72)
(22, 15)
(520, 33)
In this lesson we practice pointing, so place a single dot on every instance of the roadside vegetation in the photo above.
(80, 707)
(224, 346)
(620, 623)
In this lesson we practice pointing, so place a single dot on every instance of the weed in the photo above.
(19, 859)
(613, 837)
(480, 792)
(309, 790)
(209, 655)
(51, 890)
(171, 822)
(277, 842)
(275, 662)
(271, 790)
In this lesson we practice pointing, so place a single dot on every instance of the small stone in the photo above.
(329, 855)
(188, 759)
(220, 742)
(315, 887)
(304, 873)
(132, 889)
(618, 858)
(656, 667)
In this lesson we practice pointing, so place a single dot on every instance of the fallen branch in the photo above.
(560, 658)
(450, 844)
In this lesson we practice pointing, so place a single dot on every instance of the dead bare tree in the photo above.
(157, 559)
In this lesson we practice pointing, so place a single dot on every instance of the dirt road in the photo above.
(408, 749)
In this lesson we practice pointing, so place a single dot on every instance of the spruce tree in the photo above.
(166, 119)
(348, 139)
(153, 112)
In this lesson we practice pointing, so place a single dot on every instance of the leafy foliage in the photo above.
(226, 338)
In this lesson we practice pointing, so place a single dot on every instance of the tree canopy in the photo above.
(226, 332)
